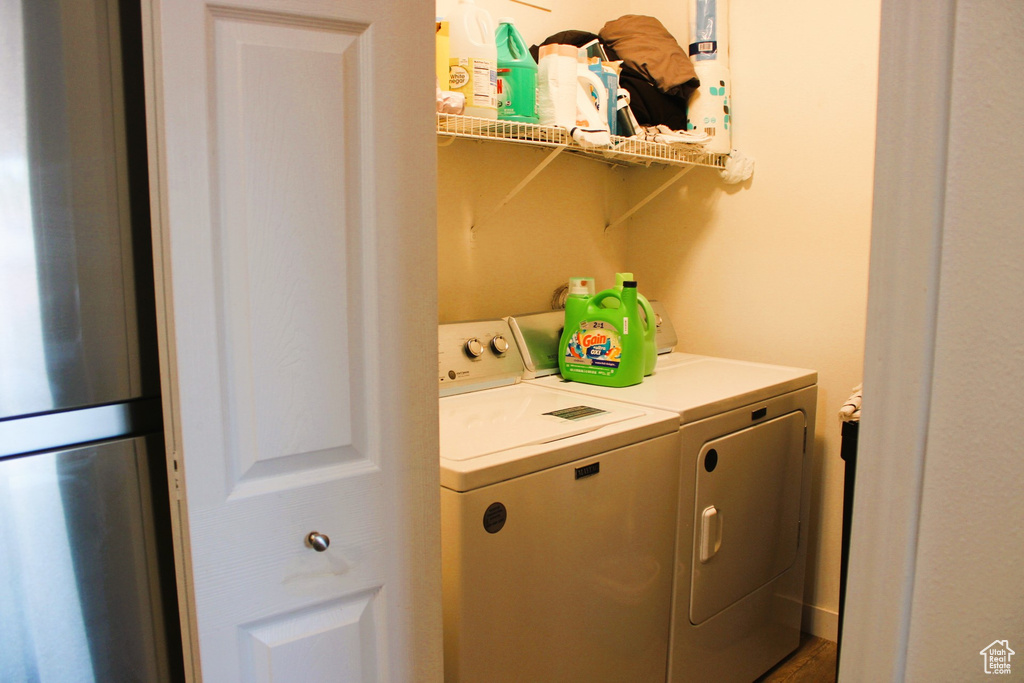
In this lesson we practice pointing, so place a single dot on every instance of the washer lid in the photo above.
(537, 336)
(474, 425)
(493, 435)
(697, 387)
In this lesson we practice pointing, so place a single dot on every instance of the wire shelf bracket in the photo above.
(654, 193)
(519, 188)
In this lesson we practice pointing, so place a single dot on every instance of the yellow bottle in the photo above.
(443, 51)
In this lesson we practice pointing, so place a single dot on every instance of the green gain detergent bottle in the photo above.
(606, 346)
(517, 75)
(650, 326)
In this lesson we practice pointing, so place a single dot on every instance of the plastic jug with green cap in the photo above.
(517, 75)
(650, 326)
(605, 345)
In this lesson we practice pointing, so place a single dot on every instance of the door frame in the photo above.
(914, 88)
(167, 356)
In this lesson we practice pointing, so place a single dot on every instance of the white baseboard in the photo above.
(821, 622)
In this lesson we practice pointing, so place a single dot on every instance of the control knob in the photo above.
(473, 348)
(499, 344)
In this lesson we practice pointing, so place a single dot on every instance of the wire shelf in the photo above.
(622, 151)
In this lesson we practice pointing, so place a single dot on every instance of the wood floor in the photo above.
(813, 662)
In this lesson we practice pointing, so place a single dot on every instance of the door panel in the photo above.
(291, 237)
(332, 642)
(287, 266)
(747, 516)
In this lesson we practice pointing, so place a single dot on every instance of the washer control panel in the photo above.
(476, 355)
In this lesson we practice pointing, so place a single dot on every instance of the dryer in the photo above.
(558, 523)
(746, 444)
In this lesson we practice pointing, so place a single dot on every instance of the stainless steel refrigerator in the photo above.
(86, 569)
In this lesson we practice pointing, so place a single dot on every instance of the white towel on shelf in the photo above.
(850, 412)
(449, 102)
(664, 134)
(738, 167)
(590, 137)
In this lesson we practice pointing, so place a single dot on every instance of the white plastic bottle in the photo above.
(591, 129)
(473, 59)
(557, 85)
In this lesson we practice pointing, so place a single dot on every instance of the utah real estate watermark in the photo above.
(997, 657)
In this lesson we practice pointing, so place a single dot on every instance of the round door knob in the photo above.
(499, 344)
(474, 349)
(318, 541)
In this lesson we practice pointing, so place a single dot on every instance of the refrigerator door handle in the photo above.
(51, 431)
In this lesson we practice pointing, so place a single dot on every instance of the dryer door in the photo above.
(747, 516)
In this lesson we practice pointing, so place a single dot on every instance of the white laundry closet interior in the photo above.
(772, 270)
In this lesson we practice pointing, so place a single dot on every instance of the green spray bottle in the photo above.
(606, 346)
(650, 326)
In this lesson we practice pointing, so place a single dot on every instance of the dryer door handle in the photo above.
(710, 533)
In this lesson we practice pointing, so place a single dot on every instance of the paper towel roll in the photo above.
(709, 107)
(709, 31)
(556, 85)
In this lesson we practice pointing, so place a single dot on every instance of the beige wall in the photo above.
(536, 24)
(772, 270)
(775, 269)
(513, 258)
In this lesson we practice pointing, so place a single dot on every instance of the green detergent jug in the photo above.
(517, 75)
(606, 346)
(650, 326)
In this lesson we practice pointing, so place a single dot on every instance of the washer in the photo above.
(746, 442)
(558, 523)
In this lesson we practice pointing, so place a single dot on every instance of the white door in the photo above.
(293, 182)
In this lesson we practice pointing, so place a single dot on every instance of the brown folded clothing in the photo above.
(644, 44)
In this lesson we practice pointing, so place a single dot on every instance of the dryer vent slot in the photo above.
(588, 470)
(759, 413)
